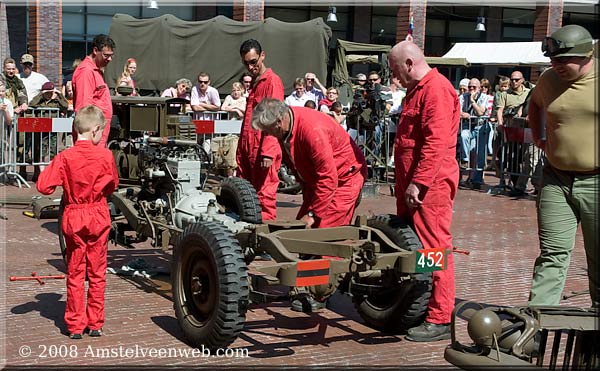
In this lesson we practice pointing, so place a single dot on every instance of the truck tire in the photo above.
(401, 305)
(239, 196)
(210, 285)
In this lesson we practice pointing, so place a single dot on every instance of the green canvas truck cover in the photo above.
(167, 48)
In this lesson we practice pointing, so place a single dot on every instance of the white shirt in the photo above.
(9, 109)
(211, 97)
(33, 84)
(293, 100)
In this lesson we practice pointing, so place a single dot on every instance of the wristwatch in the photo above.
(311, 213)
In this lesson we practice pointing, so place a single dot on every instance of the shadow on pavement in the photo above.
(49, 306)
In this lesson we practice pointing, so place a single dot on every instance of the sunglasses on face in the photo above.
(515, 80)
(472, 87)
(372, 80)
(310, 79)
(562, 60)
(202, 82)
(251, 62)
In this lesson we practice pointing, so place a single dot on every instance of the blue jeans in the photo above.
(475, 140)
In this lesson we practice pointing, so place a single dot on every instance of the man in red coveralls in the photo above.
(87, 174)
(327, 162)
(259, 156)
(89, 86)
(427, 172)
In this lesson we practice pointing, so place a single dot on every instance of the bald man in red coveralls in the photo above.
(87, 174)
(89, 86)
(259, 156)
(427, 172)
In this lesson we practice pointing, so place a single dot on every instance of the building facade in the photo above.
(56, 35)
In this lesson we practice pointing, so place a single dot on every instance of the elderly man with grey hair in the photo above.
(327, 162)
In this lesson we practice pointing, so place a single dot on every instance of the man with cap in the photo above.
(49, 97)
(33, 80)
(463, 86)
(563, 117)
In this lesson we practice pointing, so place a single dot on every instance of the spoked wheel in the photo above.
(210, 285)
(400, 304)
(239, 197)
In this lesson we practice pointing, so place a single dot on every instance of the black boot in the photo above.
(428, 331)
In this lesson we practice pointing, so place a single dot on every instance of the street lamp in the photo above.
(331, 17)
(480, 21)
(153, 4)
(480, 24)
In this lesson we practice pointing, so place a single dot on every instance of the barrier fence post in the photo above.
(43, 135)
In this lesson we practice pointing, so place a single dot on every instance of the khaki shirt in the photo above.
(571, 121)
(513, 98)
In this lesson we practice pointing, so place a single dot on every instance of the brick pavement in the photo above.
(499, 232)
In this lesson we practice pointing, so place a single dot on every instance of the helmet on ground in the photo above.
(482, 326)
(568, 41)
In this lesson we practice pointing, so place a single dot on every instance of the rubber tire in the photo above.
(215, 318)
(239, 196)
(407, 306)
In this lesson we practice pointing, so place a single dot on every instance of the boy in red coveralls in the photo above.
(88, 174)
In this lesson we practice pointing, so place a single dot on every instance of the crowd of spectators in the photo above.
(484, 109)
(485, 113)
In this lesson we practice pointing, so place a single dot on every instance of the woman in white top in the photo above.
(6, 107)
(235, 103)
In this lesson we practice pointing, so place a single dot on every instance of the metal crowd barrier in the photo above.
(376, 143)
(520, 159)
(218, 136)
(44, 134)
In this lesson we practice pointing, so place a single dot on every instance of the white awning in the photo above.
(500, 53)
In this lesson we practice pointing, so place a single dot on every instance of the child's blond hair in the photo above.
(87, 117)
(237, 85)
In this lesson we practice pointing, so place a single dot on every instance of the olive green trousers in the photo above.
(566, 199)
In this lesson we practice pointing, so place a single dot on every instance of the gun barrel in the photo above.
(169, 141)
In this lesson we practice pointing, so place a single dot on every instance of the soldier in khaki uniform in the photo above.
(563, 116)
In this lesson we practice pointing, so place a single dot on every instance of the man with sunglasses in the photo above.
(258, 155)
(89, 86)
(510, 106)
(204, 98)
(563, 116)
(315, 94)
(474, 132)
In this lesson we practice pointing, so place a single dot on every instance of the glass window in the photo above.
(464, 30)
(518, 16)
(185, 13)
(517, 33)
(112, 10)
(73, 23)
(435, 27)
(288, 14)
(97, 24)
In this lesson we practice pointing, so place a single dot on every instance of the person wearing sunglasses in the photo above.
(204, 98)
(474, 132)
(258, 155)
(563, 116)
(313, 92)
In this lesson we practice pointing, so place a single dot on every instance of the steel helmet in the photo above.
(568, 41)
(483, 326)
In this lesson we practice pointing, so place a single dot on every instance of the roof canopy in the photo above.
(500, 53)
